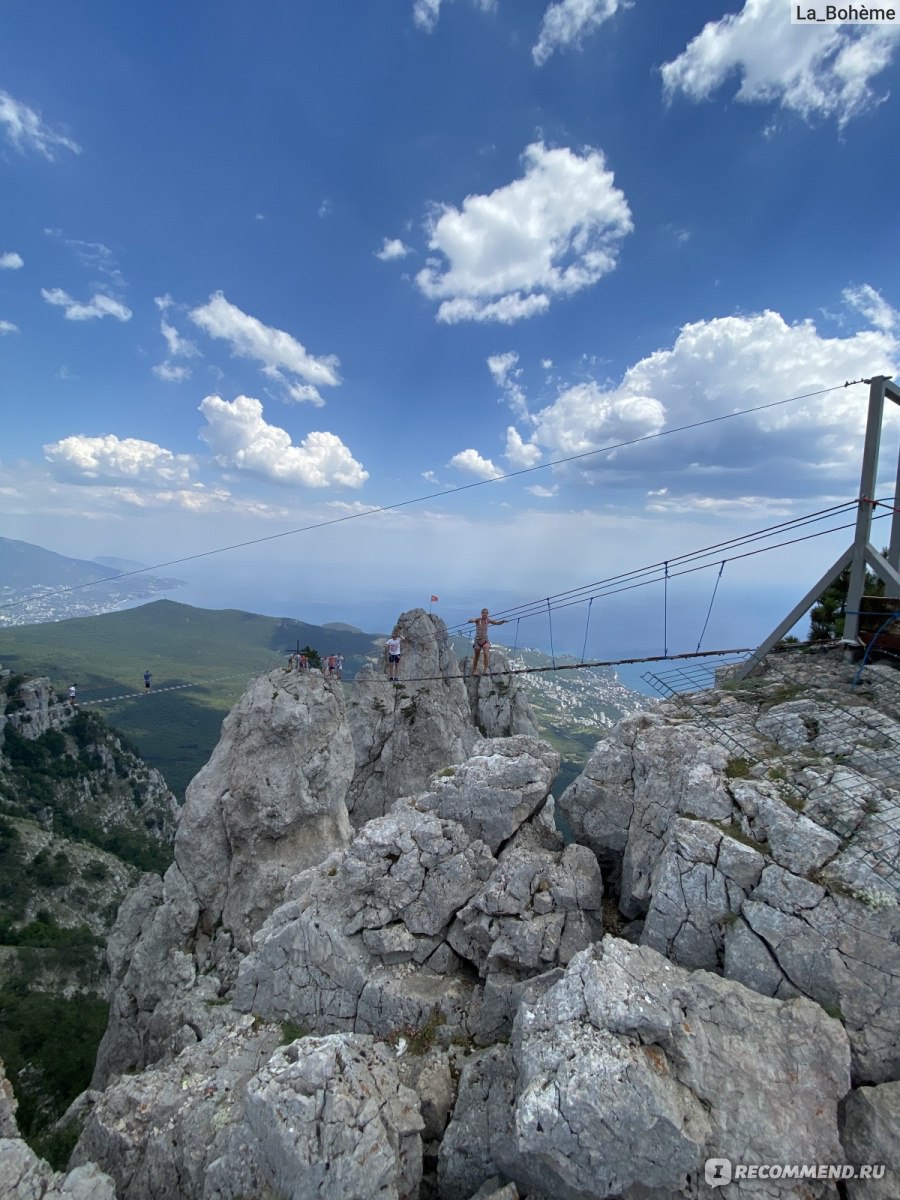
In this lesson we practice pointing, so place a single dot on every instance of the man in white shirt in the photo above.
(392, 648)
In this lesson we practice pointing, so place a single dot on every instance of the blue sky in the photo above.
(264, 266)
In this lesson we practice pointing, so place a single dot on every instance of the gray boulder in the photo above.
(871, 1135)
(239, 1115)
(647, 772)
(632, 1072)
(503, 784)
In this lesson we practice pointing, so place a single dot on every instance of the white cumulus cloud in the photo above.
(11, 261)
(519, 453)
(239, 437)
(566, 23)
(474, 464)
(110, 459)
(392, 248)
(506, 255)
(8, 327)
(721, 366)
(813, 70)
(25, 130)
(100, 305)
(276, 350)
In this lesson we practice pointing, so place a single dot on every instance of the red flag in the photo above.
(435, 599)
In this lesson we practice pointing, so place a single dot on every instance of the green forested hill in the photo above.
(216, 652)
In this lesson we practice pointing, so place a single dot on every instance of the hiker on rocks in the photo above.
(72, 701)
(482, 641)
(303, 662)
(332, 665)
(339, 665)
(393, 647)
(148, 679)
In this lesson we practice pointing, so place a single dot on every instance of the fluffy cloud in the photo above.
(100, 305)
(25, 130)
(10, 261)
(276, 350)
(521, 454)
(473, 463)
(550, 233)
(565, 24)
(717, 367)
(111, 459)
(239, 437)
(392, 248)
(8, 327)
(819, 70)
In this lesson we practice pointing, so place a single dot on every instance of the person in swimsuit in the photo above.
(482, 642)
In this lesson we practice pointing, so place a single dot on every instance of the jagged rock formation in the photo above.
(757, 833)
(66, 769)
(403, 734)
(454, 1024)
(24, 1176)
(240, 1114)
(385, 935)
(615, 1084)
(271, 802)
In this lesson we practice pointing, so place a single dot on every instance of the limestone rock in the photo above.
(361, 941)
(237, 1115)
(270, 802)
(481, 1131)
(871, 1135)
(702, 880)
(632, 1072)
(539, 907)
(646, 773)
(24, 1176)
(498, 702)
(326, 1117)
(756, 831)
(401, 734)
(504, 782)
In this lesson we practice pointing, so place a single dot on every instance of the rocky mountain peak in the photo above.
(414, 995)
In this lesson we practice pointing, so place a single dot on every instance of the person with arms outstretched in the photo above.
(482, 641)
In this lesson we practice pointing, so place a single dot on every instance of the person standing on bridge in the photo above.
(392, 648)
(482, 641)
